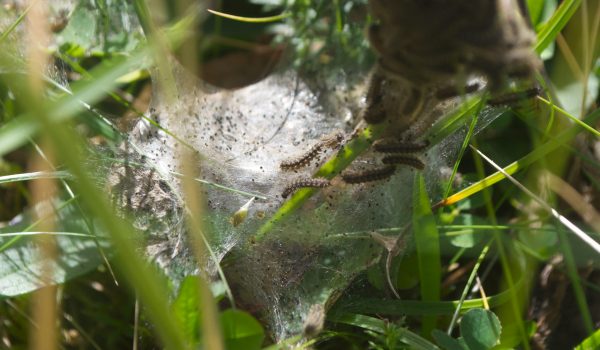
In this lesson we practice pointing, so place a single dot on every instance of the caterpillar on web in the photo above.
(399, 147)
(514, 97)
(370, 175)
(403, 159)
(301, 183)
(303, 160)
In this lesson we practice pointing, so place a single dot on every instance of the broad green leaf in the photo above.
(480, 329)
(466, 237)
(21, 263)
(241, 331)
(81, 30)
(590, 343)
(185, 308)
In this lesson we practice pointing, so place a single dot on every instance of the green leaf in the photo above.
(591, 342)
(21, 263)
(241, 331)
(428, 248)
(466, 237)
(81, 30)
(446, 341)
(480, 329)
(185, 308)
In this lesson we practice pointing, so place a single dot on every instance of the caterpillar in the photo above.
(330, 141)
(301, 183)
(369, 175)
(403, 159)
(507, 99)
(399, 147)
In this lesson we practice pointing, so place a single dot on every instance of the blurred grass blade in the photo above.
(268, 19)
(150, 286)
(85, 92)
(34, 176)
(53, 233)
(520, 164)
(427, 243)
(557, 22)
(12, 27)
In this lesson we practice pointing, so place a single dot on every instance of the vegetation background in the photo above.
(74, 77)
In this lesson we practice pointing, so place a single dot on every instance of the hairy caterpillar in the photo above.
(329, 141)
(403, 159)
(370, 175)
(398, 147)
(301, 183)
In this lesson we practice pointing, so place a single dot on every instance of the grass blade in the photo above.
(556, 23)
(427, 244)
(541, 151)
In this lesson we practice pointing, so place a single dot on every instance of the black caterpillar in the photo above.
(370, 175)
(403, 159)
(399, 147)
(298, 184)
(330, 141)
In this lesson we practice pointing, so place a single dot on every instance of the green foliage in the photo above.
(479, 328)
(186, 308)
(21, 263)
(100, 45)
(241, 331)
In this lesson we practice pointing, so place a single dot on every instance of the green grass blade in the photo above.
(541, 151)
(418, 307)
(557, 22)
(34, 176)
(427, 243)
(590, 343)
(20, 19)
(268, 19)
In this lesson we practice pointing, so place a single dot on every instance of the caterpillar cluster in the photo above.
(427, 49)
